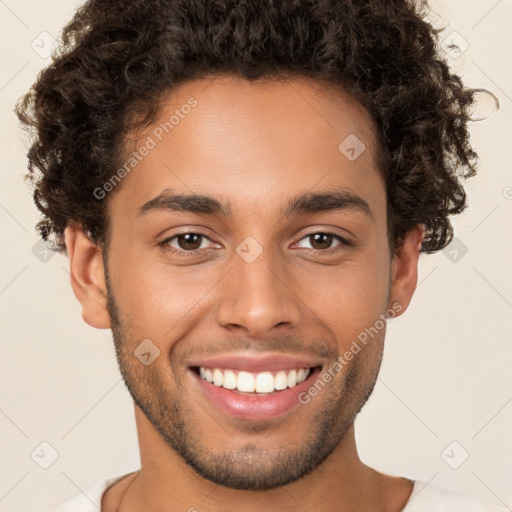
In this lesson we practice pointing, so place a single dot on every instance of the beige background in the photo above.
(446, 371)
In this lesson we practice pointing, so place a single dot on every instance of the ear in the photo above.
(404, 269)
(87, 276)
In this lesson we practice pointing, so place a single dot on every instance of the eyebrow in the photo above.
(311, 202)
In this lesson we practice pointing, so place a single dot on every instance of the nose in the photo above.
(258, 297)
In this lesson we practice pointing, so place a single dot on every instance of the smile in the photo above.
(251, 396)
(249, 382)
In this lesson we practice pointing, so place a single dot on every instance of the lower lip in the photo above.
(254, 407)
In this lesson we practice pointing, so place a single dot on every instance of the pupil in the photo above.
(188, 242)
(326, 242)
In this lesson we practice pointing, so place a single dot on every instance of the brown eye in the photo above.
(189, 241)
(185, 242)
(321, 240)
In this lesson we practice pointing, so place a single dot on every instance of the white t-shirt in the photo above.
(424, 498)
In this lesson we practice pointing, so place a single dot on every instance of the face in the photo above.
(276, 266)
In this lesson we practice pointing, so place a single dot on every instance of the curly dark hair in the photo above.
(117, 58)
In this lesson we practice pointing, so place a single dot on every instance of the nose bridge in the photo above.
(255, 295)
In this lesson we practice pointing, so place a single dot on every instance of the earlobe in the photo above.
(87, 276)
(404, 269)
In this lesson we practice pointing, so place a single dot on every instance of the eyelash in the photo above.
(182, 252)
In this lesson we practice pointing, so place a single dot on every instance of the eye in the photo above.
(185, 242)
(189, 243)
(322, 241)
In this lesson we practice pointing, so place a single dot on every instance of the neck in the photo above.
(341, 482)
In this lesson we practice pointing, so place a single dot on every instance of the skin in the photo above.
(254, 145)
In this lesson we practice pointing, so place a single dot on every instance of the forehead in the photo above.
(253, 142)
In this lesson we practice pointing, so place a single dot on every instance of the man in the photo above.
(243, 190)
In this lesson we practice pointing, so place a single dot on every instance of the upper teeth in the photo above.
(263, 382)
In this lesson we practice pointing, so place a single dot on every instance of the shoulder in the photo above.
(427, 497)
(90, 499)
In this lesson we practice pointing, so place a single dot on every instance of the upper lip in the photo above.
(251, 362)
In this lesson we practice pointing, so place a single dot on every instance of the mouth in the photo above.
(251, 395)
(251, 383)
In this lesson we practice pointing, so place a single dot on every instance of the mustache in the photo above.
(321, 347)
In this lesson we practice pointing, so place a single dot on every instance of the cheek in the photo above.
(159, 301)
(349, 298)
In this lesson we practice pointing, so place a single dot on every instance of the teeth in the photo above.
(217, 377)
(281, 380)
(263, 382)
(292, 378)
(245, 382)
(229, 380)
